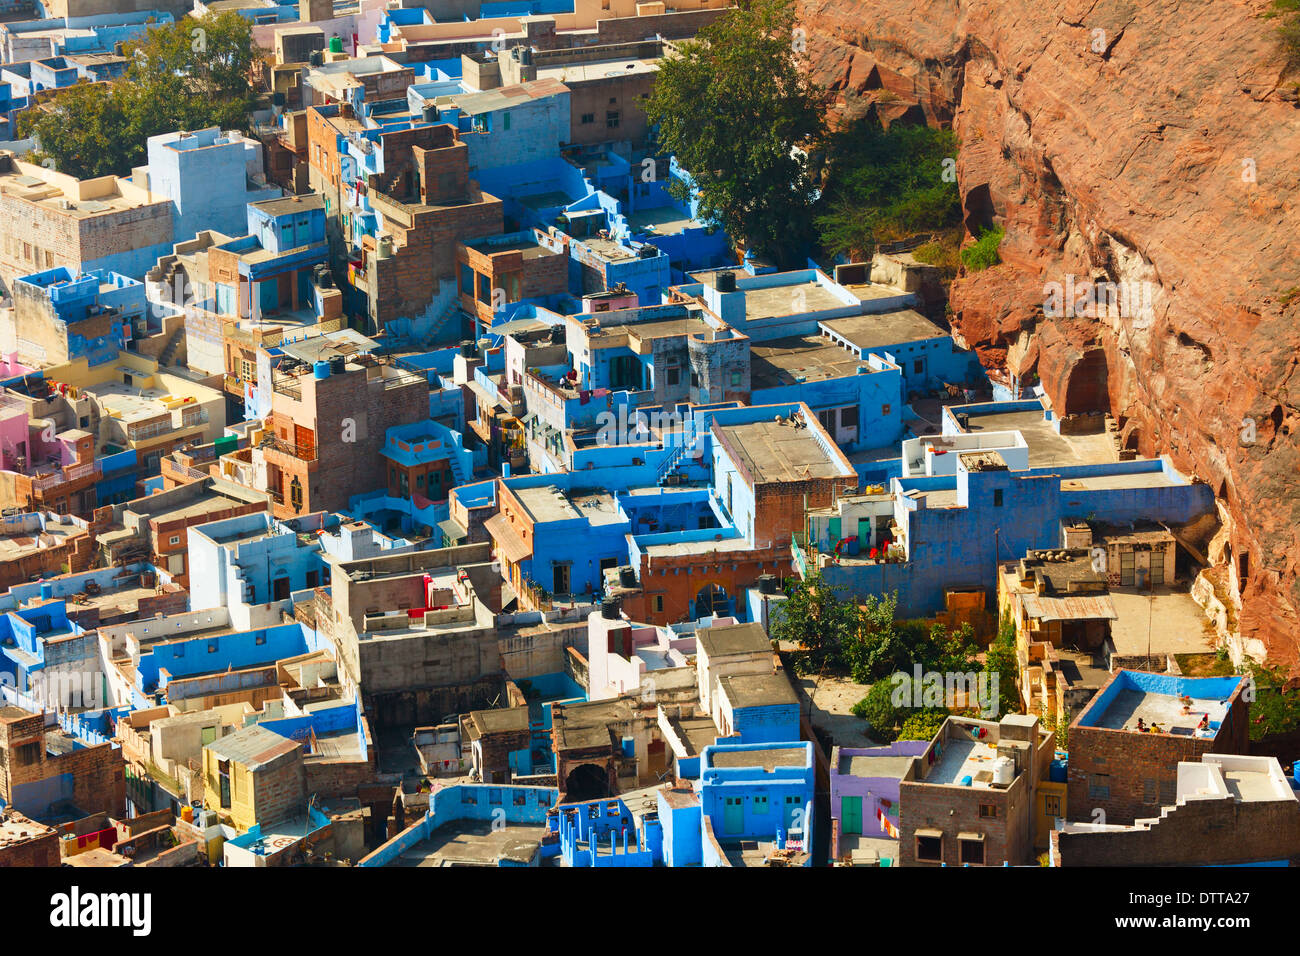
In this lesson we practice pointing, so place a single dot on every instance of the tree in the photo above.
(886, 185)
(879, 710)
(186, 75)
(922, 724)
(735, 108)
(813, 617)
(1000, 661)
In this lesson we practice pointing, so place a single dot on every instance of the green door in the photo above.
(734, 820)
(834, 531)
(851, 815)
(865, 542)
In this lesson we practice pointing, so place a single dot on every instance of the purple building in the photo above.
(864, 800)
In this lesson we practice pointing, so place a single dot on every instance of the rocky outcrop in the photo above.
(1151, 145)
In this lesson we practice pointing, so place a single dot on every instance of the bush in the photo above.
(1288, 31)
(983, 252)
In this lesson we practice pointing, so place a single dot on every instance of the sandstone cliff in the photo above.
(1135, 141)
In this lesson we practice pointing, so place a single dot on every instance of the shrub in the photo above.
(983, 252)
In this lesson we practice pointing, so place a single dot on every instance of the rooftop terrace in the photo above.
(1158, 701)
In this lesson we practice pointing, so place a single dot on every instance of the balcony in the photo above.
(66, 475)
(283, 447)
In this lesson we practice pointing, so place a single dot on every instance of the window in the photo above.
(468, 796)
(918, 366)
(988, 810)
(997, 497)
(884, 409)
(520, 797)
(611, 119)
(1052, 805)
(849, 417)
(929, 849)
(494, 797)
(27, 754)
(735, 378)
(212, 647)
(1168, 792)
(505, 121)
(972, 850)
(174, 539)
(659, 603)
(588, 118)
(260, 639)
(674, 375)
(1099, 786)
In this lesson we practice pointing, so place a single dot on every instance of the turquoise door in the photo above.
(851, 815)
(734, 819)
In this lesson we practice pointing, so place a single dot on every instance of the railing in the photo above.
(301, 452)
(67, 474)
(288, 386)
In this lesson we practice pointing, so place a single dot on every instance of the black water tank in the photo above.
(766, 584)
(725, 281)
(627, 577)
(609, 609)
(338, 365)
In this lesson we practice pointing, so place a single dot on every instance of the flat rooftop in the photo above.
(474, 843)
(661, 221)
(809, 358)
(1159, 710)
(1158, 700)
(894, 766)
(961, 758)
(546, 503)
(767, 758)
(773, 451)
(689, 324)
(879, 331)
(799, 298)
(1169, 621)
(1047, 449)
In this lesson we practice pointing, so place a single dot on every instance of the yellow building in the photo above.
(136, 403)
(253, 777)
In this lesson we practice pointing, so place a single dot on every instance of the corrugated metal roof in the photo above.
(1048, 607)
(508, 542)
(253, 746)
(506, 96)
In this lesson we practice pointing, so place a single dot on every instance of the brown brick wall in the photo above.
(954, 810)
(1198, 833)
(1129, 759)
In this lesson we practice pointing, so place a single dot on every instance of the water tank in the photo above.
(767, 584)
(1004, 771)
(384, 247)
(321, 370)
(627, 577)
(725, 281)
(609, 609)
(47, 590)
(336, 44)
(339, 364)
(526, 56)
(315, 58)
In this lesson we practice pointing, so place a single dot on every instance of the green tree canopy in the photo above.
(185, 75)
(733, 107)
(887, 185)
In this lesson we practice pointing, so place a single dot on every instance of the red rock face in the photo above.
(1152, 145)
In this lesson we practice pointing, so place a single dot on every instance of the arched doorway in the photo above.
(587, 781)
(712, 599)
